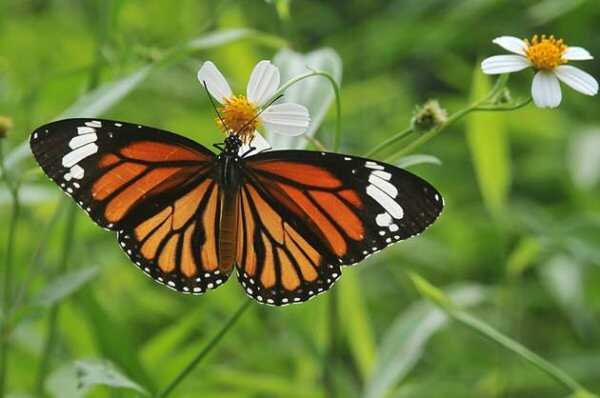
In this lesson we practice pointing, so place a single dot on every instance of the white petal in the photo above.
(577, 79)
(263, 82)
(286, 119)
(545, 90)
(215, 81)
(257, 145)
(511, 43)
(504, 64)
(577, 54)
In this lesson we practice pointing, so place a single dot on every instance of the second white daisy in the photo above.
(244, 114)
(548, 56)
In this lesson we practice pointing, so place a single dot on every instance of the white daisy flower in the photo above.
(548, 56)
(245, 113)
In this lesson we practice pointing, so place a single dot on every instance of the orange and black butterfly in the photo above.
(287, 221)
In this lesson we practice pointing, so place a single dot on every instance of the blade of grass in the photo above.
(50, 338)
(356, 323)
(207, 349)
(7, 282)
(489, 147)
(439, 298)
(404, 342)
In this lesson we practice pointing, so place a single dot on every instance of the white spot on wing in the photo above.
(77, 155)
(384, 185)
(382, 174)
(383, 219)
(94, 123)
(385, 201)
(81, 140)
(372, 165)
(85, 130)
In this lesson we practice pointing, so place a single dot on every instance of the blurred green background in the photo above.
(517, 245)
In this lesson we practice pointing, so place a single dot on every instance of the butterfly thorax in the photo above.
(228, 175)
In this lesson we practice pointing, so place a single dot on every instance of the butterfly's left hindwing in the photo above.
(155, 188)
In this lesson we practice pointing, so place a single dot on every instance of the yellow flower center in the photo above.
(239, 115)
(545, 52)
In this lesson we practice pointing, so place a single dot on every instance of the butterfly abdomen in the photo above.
(228, 230)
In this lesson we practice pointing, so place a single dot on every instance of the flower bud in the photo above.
(428, 116)
(6, 125)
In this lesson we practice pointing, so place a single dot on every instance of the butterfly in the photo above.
(285, 220)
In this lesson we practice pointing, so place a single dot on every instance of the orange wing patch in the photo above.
(344, 216)
(329, 232)
(149, 151)
(168, 237)
(300, 172)
(108, 160)
(209, 249)
(115, 179)
(272, 256)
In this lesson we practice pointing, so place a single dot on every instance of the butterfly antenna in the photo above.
(210, 98)
(259, 113)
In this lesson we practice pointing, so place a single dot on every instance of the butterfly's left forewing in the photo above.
(305, 214)
(155, 188)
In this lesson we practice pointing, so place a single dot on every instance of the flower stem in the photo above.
(207, 348)
(49, 344)
(390, 141)
(338, 100)
(474, 107)
(7, 282)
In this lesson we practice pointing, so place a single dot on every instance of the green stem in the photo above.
(390, 141)
(54, 310)
(36, 259)
(474, 107)
(486, 330)
(207, 348)
(7, 282)
(516, 106)
(338, 100)
(330, 361)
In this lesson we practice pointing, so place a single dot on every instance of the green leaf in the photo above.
(489, 146)
(584, 159)
(29, 194)
(416, 159)
(444, 303)
(545, 11)
(75, 380)
(404, 342)
(226, 36)
(429, 291)
(523, 256)
(64, 285)
(563, 278)
(315, 92)
(92, 373)
(355, 322)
